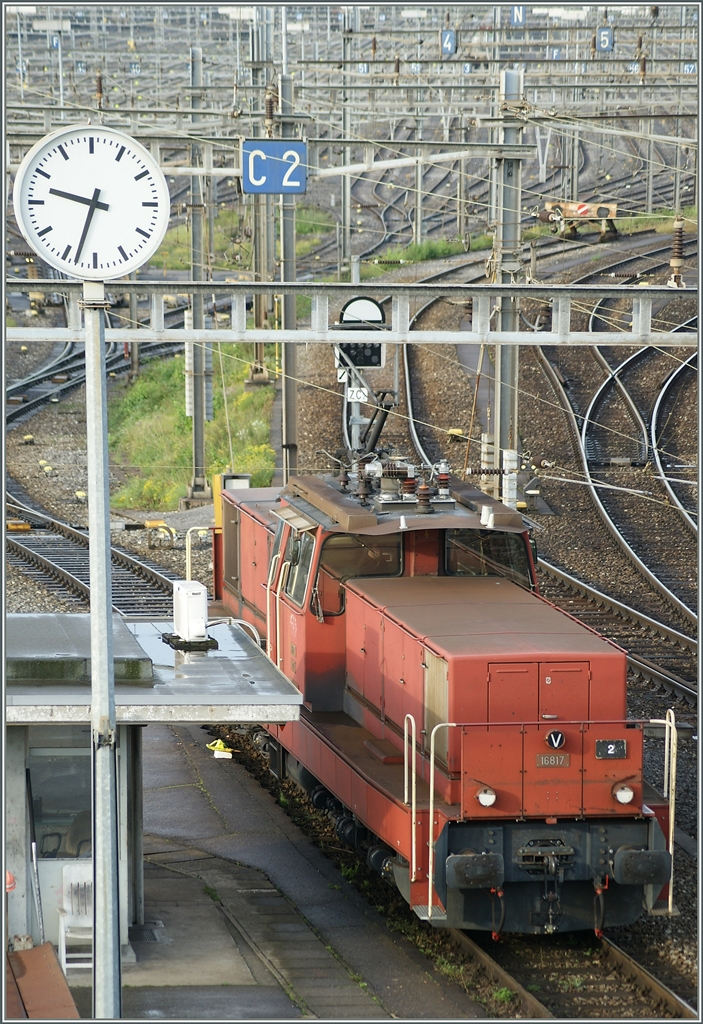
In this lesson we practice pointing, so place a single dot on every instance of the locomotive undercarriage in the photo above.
(516, 876)
(528, 877)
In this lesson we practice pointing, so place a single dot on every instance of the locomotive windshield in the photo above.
(348, 555)
(487, 553)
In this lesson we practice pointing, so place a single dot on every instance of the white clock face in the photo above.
(91, 202)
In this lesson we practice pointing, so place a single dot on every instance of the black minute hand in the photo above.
(78, 199)
(94, 204)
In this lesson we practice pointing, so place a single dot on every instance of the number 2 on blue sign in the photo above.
(273, 166)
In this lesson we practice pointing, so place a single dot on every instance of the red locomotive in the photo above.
(471, 738)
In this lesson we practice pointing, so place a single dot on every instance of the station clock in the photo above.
(92, 202)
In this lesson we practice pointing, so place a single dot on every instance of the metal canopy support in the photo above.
(106, 929)
(288, 273)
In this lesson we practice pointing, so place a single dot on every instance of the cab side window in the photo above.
(299, 552)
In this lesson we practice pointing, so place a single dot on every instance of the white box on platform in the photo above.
(190, 609)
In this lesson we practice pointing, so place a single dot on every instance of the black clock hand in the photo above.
(78, 199)
(94, 204)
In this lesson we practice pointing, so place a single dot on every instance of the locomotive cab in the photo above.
(468, 735)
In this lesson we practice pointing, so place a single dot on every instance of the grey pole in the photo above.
(507, 247)
(61, 75)
(346, 135)
(19, 47)
(198, 486)
(288, 273)
(106, 899)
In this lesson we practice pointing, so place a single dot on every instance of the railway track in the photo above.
(55, 553)
(576, 976)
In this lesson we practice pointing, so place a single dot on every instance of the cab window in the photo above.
(351, 556)
(487, 553)
(299, 550)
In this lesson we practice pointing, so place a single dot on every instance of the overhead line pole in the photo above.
(508, 266)
(289, 358)
(198, 488)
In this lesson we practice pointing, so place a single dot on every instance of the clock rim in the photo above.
(17, 195)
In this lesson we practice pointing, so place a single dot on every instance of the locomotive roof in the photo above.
(324, 502)
(462, 615)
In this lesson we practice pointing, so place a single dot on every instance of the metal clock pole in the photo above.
(106, 903)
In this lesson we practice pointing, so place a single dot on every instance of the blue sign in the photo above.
(135, 67)
(517, 16)
(633, 67)
(81, 67)
(604, 40)
(466, 69)
(448, 43)
(363, 68)
(274, 167)
(55, 43)
(554, 53)
(689, 69)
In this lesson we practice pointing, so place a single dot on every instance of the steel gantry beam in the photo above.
(483, 298)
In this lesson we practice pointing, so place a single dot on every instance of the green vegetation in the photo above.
(503, 995)
(212, 893)
(661, 221)
(150, 433)
(232, 247)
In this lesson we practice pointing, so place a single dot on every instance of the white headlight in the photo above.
(486, 797)
(623, 794)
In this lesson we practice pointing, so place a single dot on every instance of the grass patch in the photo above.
(231, 246)
(503, 995)
(150, 433)
(432, 249)
(662, 222)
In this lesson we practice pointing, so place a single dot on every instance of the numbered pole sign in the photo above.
(363, 68)
(274, 166)
(604, 40)
(517, 16)
(448, 43)
(81, 67)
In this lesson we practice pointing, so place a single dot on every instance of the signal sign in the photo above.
(135, 67)
(81, 67)
(604, 40)
(274, 167)
(448, 43)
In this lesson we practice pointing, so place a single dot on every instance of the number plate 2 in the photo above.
(611, 748)
(553, 760)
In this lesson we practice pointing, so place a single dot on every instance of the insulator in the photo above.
(423, 498)
(677, 241)
(373, 48)
(409, 486)
(269, 108)
(396, 66)
(484, 472)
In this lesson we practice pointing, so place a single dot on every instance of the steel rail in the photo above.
(643, 568)
(577, 434)
(646, 981)
(655, 435)
(80, 538)
(647, 669)
(533, 1008)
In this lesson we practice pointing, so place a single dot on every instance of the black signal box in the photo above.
(364, 355)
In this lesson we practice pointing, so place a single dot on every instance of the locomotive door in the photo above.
(563, 691)
(553, 759)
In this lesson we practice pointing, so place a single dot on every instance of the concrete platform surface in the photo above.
(245, 917)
